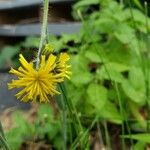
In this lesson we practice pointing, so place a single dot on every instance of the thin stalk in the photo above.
(4, 143)
(73, 114)
(82, 137)
(147, 66)
(3, 139)
(100, 136)
(64, 123)
(121, 2)
(122, 113)
(71, 107)
(1, 131)
(43, 31)
(107, 135)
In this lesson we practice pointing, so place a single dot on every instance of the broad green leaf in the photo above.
(45, 109)
(77, 93)
(21, 130)
(93, 56)
(109, 112)
(7, 53)
(145, 137)
(139, 146)
(111, 75)
(94, 53)
(31, 42)
(134, 95)
(80, 72)
(112, 71)
(97, 95)
(81, 78)
(49, 125)
(105, 25)
(134, 88)
(78, 62)
(118, 52)
(124, 33)
(136, 78)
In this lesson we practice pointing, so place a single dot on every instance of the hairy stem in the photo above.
(43, 31)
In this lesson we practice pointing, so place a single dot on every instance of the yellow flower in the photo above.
(36, 83)
(48, 49)
(62, 67)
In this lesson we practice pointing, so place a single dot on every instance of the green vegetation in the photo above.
(110, 84)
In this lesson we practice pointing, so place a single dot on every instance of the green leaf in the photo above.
(112, 71)
(136, 78)
(139, 146)
(145, 137)
(49, 125)
(85, 3)
(80, 72)
(118, 52)
(94, 53)
(97, 95)
(31, 42)
(137, 2)
(124, 33)
(109, 112)
(77, 93)
(134, 88)
(81, 78)
(21, 131)
(105, 25)
(7, 53)
(45, 109)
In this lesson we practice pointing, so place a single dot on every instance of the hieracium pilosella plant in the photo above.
(40, 83)
(39, 80)
(43, 78)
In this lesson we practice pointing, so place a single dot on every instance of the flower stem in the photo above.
(73, 114)
(43, 31)
(2, 138)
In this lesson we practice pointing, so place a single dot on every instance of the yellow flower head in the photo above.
(48, 49)
(36, 83)
(62, 67)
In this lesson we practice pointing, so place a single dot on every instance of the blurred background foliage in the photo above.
(110, 59)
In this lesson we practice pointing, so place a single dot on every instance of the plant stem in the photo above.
(43, 31)
(107, 135)
(2, 138)
(4, 143)
(63, 113)
(147, 66)
(73, 114)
